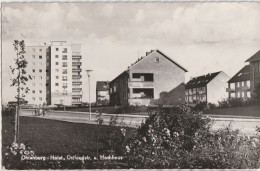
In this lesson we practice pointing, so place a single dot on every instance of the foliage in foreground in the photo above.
(179, 138)
(170, 138)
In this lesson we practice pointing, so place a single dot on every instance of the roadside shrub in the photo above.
(212, 106)
(200, 106)
(223, 104)
(178, 138)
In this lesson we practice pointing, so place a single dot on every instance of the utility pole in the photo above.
(88, 72)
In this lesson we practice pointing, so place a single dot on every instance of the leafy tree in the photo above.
(19, 79)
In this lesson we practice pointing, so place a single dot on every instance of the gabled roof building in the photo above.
(146, 79)
(209, 88)
(243, 83)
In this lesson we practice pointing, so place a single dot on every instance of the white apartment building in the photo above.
(56, 73)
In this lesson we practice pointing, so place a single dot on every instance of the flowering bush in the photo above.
(14, 153)
(178, 138)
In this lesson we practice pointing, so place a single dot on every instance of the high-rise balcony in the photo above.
(141, 84)
(76, 76)
(76, 63)
(76, 82)
(76, 96)
(76, 89)
(76, 69)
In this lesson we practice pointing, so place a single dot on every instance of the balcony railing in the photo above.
(144, 84)
(76, 76)
(76, 63)
(76, 70)
(76, 96)
(76, 82)
(77, 89)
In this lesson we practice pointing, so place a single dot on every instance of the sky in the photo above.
(202, 37)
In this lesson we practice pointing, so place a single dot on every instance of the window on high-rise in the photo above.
(57, 49)
(64, 78)
(64, 64)
(40, 91)
(56, 56)
(57, 63)
(41, 77)
(40, 98)
(33, 91)
(33, 70)
(40, 70)
(57, 77)
(64, 57)
(33, 56)
(56, 70)
(65, 92)
(33, 49)
(33, 98)
(56, 84)
(65, 85)
(64, 50)
(64, 71)
(40, 50)
(40, 57)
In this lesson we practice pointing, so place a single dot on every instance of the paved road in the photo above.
(245, 124)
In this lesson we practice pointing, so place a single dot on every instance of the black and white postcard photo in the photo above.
(130, 85)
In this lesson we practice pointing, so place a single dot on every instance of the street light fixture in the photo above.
(88, 72)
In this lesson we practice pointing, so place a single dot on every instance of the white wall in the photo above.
(216, 88)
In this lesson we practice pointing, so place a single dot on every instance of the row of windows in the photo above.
(238, 84)
(199, 90)
(40, 98)
(240, 94)
(40, 56)
(64, 71)
(64, 85)
(64, 57)
(33, 91)
(64, 50)
(64, 64)
(64, 78)
(33, 49)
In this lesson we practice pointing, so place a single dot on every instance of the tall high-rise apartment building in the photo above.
(56, 73)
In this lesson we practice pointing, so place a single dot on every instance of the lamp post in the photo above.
(88, 72)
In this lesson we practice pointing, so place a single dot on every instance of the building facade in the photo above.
(254, 72)
(243, 84)
(102, 93)
(56, 74)
(209, 88)
(239, 86)
(146, 79)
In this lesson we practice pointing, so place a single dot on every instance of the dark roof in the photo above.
(242, 75)
(102, 86)
(201, 80)
(255, 57)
